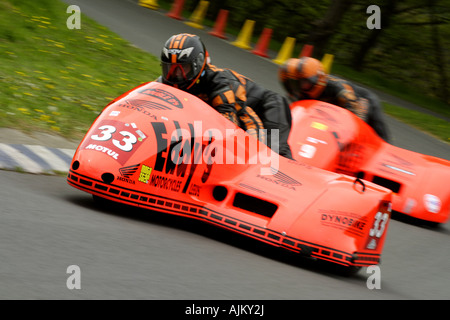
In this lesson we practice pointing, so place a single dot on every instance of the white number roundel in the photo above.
(378, 226)
(107, 131)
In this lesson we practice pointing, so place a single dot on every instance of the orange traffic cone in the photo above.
(219, 26)
(306, 51)
(263, 43)
(177, 8)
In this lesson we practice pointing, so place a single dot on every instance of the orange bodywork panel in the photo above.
(333, 139)
(165, 150)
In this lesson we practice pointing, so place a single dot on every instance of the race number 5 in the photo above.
(379, 225)
(107, 131)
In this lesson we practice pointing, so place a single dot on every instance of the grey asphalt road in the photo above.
(126, 253)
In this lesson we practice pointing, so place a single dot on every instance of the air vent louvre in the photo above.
(394, 186)
(255, 205)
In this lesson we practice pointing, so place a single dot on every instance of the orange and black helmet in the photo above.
(303, 78)
(183, 59)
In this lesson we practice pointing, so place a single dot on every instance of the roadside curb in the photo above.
(35, 158)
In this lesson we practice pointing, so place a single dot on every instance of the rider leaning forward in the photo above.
(236, 97)
(305, 78)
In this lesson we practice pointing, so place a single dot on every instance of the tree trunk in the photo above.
(387, 12)
(326, 27)
(442, 88)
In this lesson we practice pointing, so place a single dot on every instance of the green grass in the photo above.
(54, 79)
(437, 127)
(401, 90)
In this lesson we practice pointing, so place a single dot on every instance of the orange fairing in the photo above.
(332, 138)
(165, 150)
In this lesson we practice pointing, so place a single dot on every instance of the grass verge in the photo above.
(56, 79)
(439, 128)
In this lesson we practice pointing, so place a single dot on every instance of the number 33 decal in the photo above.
(380, 223)
(107, 131)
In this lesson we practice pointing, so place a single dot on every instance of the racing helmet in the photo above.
(303, 77)
(183, 59)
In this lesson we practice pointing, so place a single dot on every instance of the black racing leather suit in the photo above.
(359, 100)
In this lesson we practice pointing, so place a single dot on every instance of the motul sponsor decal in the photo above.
(117, 139)
(105, 150)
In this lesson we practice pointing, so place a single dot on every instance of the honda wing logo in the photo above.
(127, 172)
(284, 178)
(281, 179)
